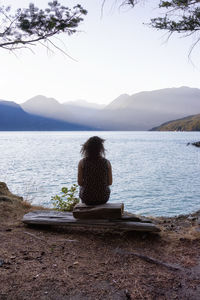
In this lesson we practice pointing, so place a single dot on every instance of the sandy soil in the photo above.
(55, 263)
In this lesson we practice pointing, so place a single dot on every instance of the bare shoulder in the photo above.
(109, 164)
(80, 164)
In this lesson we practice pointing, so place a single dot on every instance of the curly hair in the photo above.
(93, 148)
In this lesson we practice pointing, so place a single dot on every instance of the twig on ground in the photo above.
(148, 259)
(35, 236)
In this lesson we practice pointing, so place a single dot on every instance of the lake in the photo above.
(154, 173)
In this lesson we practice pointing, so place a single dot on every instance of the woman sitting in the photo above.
(94, 173)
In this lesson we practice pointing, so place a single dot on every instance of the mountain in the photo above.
(184, 98)
(145, 110)
(191, 123)
(78, 112)
(14, 118)
(46, 107)
(84, 103)
(140, 111)
(119, 102)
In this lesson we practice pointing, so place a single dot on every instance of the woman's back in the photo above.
(94, 172)
(95, 189)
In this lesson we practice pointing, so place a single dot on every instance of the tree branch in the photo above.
(32, 25)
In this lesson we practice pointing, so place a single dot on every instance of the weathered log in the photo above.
(103, 211)
(134, 218)
(50, 217)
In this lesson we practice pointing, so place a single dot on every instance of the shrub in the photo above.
(67, 200)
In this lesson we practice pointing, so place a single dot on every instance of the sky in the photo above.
(113, 54)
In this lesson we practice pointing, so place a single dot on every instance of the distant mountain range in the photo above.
(14, 118)
(68, 111)
(141, 111)
(145, 110)
(191, 123)
(84, 103)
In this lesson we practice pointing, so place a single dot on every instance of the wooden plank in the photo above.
(52, 217)
(103, 211)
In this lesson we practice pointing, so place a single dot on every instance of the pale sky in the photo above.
(115, 54)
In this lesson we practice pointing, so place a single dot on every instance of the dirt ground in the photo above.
(56, 263)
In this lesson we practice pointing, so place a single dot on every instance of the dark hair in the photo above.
(93, 148)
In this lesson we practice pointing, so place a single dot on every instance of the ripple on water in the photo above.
(154, 173)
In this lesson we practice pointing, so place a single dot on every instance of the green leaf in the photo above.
(67, 200)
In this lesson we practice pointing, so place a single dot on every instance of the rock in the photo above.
(6, 195)
(5, 198)
(1, 262)
(127, 294)
(4, 189)
(192, 218)
(197, 144)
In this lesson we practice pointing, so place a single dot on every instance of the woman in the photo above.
(94, 173)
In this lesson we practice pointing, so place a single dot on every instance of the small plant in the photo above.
(67, 200)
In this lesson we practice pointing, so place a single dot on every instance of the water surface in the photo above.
(155, 173)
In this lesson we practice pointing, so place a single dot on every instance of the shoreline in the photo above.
(58, 263)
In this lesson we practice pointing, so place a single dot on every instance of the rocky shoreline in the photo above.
(56, 263)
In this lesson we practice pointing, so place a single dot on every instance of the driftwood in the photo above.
(103, 211)
(50, 217)
(148, 259)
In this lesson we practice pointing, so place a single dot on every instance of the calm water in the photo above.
(155, 173)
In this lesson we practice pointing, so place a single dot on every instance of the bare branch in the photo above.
(65, 53)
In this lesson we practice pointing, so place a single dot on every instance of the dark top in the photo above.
(95, 189)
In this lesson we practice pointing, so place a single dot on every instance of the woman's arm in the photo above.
(80, 173)
(110, 180)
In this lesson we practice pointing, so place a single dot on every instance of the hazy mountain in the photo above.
(141, 111)
(191, 123)
(183, 99)
(69, 111)
(145, 110)
(84, 103)
(13, 117)
(119, 102)
(47, 107)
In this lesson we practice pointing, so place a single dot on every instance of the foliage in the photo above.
(28, 26)
(181, 16)
(191, 123)
(67, 200)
